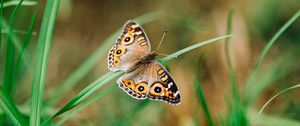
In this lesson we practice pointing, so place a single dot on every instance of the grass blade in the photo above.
(278, 70)
(69, 115)
(231, 71)
(227, 40)
(81, 96)
(89, 63)
(13, 114)
(1, 15)
(272, 98)
(199, 44)
(16, 2)
(265, 51)
(24, 47)
(43, 47)
(16, 42)
(9, 67)
(202, 101)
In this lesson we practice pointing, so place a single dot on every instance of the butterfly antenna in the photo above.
(161, 40)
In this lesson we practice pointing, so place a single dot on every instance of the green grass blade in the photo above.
(81, 96)
(24, 47)
(278, 70)
(43, 47)
(231, 71)
(90, 62)
(16, 2)
(13, 114)
(271, 99)
(84, 105)
(227, 40)
(16, 43)
(1, 15)
(199, 44)
(202, 101)
(265, 51)
(9, 67)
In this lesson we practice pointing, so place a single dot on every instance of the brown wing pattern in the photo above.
(162, 86)
(130, 47)
(152, 81)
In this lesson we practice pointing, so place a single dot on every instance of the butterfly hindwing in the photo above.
(131, 46)
(135, 83)
(162, 85)
(150, 81)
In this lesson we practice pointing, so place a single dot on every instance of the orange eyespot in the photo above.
(157, 89)
(116, 61)
(119, 51)
(127, 40)
(141, 88)
(129, 83)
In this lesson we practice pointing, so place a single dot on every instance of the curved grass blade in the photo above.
(265, 51)
(82, 95)
(1, 15)
(90, 62)
(86, 104)
(24, 47)
(272, 120)
(43, 47)
(231, 71)
(110, 76)
(9, 67)
(16, 43)
(272, 98)
(227, 40)
(202, 101)
(277, 70)
(199, 44)
(13, 114)
(16, 2)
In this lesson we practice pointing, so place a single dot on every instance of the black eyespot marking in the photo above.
(128, 83)
(141, 88)
(127, 39)
(157, 89)
(119, 51)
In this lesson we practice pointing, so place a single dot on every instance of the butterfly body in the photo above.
(147, 59)
(144, 77)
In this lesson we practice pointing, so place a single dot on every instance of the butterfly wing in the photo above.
(151, 81)
(130, 47)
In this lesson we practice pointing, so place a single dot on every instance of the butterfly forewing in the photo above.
(131, 46)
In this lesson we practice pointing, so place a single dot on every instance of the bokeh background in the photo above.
(83, 25)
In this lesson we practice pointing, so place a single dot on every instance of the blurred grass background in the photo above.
(86, 29)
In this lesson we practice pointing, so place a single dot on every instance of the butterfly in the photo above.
(144, 77)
